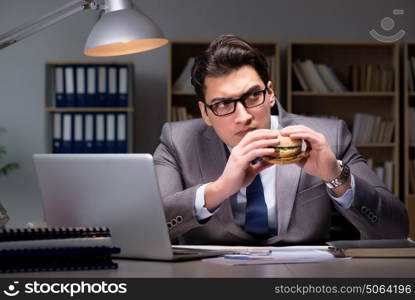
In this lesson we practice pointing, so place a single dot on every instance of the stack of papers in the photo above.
(240, 255)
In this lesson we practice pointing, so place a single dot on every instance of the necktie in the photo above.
(256, 215)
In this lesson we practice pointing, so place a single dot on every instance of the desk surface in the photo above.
(358, 267)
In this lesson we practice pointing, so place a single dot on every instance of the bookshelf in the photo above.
(409, 135)
(184, 97)
(88, 95)
(364, 79)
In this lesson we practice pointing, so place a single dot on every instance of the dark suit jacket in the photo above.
(191, 154)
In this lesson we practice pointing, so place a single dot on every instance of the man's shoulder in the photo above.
(316, 122)
(194, 126)
(184, 131)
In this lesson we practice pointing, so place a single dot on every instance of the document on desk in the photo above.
(275, 255)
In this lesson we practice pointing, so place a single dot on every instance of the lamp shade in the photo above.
(122, 32)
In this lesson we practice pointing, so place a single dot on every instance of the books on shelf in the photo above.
(90, 85)
(384, 170)
(180, 113)
(183, 82)
(372, 78)
(90, 132)
(411, 124)
(411, 74)
(369, 128)
(317, 77)
(373, 248)
(53, 249)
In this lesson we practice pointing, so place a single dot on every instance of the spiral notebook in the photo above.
(56, 249)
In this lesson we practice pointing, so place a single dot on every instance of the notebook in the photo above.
(373, 248)
(56, 249)
(119, 191)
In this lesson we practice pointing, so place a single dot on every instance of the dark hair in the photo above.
(225, 54)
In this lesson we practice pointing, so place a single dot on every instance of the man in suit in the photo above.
(217, 190)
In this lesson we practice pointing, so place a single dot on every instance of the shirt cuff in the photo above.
(347, 198)
(200, 211)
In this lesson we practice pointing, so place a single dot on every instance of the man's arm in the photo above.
(178, 202)
(375, 211)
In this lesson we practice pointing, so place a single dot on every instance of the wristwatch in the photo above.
(342, 178)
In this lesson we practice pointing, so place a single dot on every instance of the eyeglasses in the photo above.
(228, 106)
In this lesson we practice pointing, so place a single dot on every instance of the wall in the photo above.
(22, 65)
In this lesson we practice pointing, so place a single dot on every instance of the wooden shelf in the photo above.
(89, 109)
(183, 93)
(376, 145)
(411, 94)
(343, 94)
(344, 57)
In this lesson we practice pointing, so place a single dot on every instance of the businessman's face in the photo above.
(243, 82)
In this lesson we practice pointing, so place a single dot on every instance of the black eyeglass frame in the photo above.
(241, 99)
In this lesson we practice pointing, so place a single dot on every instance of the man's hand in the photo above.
(322, 162)
(239, 172)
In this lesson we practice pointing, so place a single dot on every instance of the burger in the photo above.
(288, 151)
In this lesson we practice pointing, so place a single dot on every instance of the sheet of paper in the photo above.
(279, 256)
(247, 248)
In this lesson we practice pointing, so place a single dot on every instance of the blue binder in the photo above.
(121, 145)
(78, 136)
(112, 86)
(92, 87)
(70, 79)
(89, 133)
(67, 133)
(122, 86)
(102, 86)
(81, 96)
(111, 132)
(100, 133)
(59, 87)
(57, 146)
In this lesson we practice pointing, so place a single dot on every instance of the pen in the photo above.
(245, 257)
(251, 252)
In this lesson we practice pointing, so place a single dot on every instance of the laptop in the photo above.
(119, 191)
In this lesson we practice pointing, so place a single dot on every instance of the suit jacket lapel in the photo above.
(212, 159)
(212, 156)
(286, 188)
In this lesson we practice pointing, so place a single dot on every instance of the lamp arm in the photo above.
(23, 31)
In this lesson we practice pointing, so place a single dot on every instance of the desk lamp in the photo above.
(121, 30)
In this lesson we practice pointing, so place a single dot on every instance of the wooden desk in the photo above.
(359, 267)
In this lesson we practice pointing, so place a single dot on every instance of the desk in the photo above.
(358, 267)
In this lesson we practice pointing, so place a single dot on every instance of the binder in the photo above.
(122, 86)
(100, 133)
(78, 140)
(81, 97)
(89, 133)
(102, 86)
(56, 249)
(112, 86)
(373, 248)
(121, 144)
(91, 82)
(59, 87)
(110, 136)
(67, 133)
(57, 146)
(69, 87)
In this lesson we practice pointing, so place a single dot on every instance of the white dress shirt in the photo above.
(268, 183)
